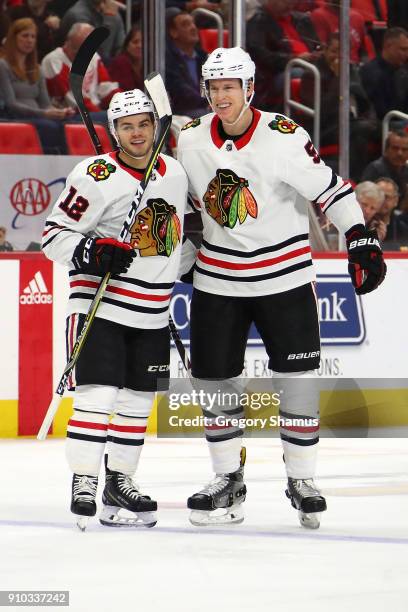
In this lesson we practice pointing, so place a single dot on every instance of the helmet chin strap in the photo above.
(243, 109)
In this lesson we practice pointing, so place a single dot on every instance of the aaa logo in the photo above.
(228, 199)
(156, 230)
(283, 125)
(100, 170)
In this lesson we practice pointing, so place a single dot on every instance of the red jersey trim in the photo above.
(244, 139)
(220, 263)
(87, 425)
(160, 167)
(119, 291)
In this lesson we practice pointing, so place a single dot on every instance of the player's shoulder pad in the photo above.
(173, 164)
(99, 167)
(195, 128)
(282, 124)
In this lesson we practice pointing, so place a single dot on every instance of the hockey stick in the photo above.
(155, 87)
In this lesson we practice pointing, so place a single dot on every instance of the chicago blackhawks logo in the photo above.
(156, 230)
(228, 199)
(192, 123)
(100, 170)
(283, 125)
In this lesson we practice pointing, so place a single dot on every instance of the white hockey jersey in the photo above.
(252, 195)
(95, 202)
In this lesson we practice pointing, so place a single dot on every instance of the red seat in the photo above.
(295, 89)
(209, 39)
(20, 139)
(79, 142)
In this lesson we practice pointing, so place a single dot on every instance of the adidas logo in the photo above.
(36, 291)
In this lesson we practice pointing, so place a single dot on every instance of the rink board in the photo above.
(361, 338)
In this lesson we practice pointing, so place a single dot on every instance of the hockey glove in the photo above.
(98, 256)
(366, 262)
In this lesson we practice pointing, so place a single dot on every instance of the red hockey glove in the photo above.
(98, 256)
(366, 262)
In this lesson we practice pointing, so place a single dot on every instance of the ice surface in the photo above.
(356, 561)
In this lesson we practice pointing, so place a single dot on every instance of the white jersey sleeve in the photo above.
(76, 214)
(303, 169)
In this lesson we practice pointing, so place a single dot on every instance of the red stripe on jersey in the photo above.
(323, 204)
(127, 428)
(53, 227)
(217, 426)
(220, 263)
(127, 292)
(87, 425)
(301, 429)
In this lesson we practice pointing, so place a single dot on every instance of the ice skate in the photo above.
(83, 498)
(124, 505)
(220, 502)
(307, 500)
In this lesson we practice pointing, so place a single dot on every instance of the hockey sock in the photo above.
(88, 427)
(222, 404)
(299, 409)
(126, 431)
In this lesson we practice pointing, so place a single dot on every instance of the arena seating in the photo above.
(79, 142)
(19, 138)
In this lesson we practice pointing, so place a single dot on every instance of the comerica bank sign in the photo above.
(340, 312)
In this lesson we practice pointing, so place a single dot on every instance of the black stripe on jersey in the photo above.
(47, 242)
(269, 249)
(298, 441)
(338, 197)
(332, 184)
(260, 277)
(126, 441)
(78, 436)
(131, 281)
(128, 416)
(106, 300)
(227, 436)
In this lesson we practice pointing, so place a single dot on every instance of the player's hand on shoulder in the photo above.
(98, 256)
(366, 267)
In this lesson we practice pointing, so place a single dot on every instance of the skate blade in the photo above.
(309, 521)
(229, 516)
(82, 522)
(110, 517)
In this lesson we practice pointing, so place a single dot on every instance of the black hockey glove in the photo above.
(366, 262)
(98, 256)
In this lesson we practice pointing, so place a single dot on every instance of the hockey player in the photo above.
(127, 350)
(251, 173)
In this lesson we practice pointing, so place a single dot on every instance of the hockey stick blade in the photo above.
(76, 78)
(157, 92)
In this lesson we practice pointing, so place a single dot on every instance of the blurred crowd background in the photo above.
(39, 39)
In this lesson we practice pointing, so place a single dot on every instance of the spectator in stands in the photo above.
(397, 13)
(127, 67)
(97, 87)
(395, 220)
(326, 20)
(363, 128)
(23, 86)
(4, 244)
(371, 198)
(392, 164)
(184, 58)
(385, 78)
(274, 36)
(46, 21)
(186, 5)
(97, 13)
(371, 10)
(4, 22)
(60, 7)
